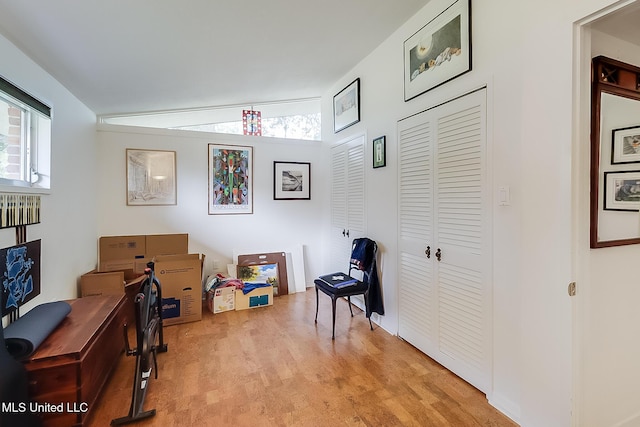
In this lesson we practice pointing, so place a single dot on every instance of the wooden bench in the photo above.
(70, 368)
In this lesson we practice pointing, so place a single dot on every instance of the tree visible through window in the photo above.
(298, 119)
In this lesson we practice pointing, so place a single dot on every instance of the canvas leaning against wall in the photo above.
(230, 179)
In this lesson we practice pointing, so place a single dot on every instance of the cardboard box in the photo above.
(133, 252)
(166, 244)
(258, 297)
(122, 247)
(180, 278)
(221, 299)
(107, 283)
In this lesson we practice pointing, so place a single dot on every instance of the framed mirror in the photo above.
(615, 153)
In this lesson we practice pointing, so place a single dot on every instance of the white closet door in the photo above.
(417, 303)
(463, 236)
(445, 300)
(347, 200)
(355, 189)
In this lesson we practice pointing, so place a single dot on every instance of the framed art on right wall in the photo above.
(438, 52)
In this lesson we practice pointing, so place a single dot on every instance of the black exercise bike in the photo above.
(149, 342)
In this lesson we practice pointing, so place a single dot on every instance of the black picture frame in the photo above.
(625, 145)
(622, 191)
(438, 52)
(346, 106)
(380, 152)
(291, 180)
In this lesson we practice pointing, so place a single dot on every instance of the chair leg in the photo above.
(350, 309)
(333, 309)
(316, 304)
(366, 307)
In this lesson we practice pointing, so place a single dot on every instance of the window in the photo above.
(296, 119)
(25, 139)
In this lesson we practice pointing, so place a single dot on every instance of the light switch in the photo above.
(504, 198)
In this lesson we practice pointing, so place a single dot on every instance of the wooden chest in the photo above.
(69, 369)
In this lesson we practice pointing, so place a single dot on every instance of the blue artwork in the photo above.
(20, 275)
(17, 283)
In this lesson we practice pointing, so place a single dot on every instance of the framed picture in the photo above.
(230, 179)
(151, 177)
(379, 152)
(438, 52)
(622, 191)
(346, 107)
(291, 181)
(625, 145)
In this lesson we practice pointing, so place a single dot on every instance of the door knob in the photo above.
(439, 254)
(428, 252)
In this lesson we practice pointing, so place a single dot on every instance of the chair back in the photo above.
(363, 257)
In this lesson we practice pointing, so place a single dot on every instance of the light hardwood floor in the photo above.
(273, 366)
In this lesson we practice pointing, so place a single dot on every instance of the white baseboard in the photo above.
(633, 421)
(508, 407)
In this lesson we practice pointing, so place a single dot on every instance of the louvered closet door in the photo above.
(459, 285)
(417, 297)
(347, 200)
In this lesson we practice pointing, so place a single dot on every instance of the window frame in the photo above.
(35, 140)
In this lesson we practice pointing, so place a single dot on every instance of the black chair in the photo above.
(363, 256)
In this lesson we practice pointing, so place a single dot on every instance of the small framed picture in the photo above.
(346, 107)
(379, 152)
(625, 145)
(622, 191)
(291, 181)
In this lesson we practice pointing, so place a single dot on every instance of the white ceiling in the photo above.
(623, 24)
(120, 56)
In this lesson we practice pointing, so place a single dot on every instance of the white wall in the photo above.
(275, 225)
(68, 215)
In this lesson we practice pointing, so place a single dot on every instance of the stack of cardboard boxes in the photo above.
(122, 260)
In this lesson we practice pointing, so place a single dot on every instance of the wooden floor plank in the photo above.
(273, 366)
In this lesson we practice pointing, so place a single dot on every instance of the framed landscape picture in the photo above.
(291, 181)
(230, 179)
(438, 52)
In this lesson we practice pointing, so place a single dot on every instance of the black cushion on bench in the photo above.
(23, 336)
